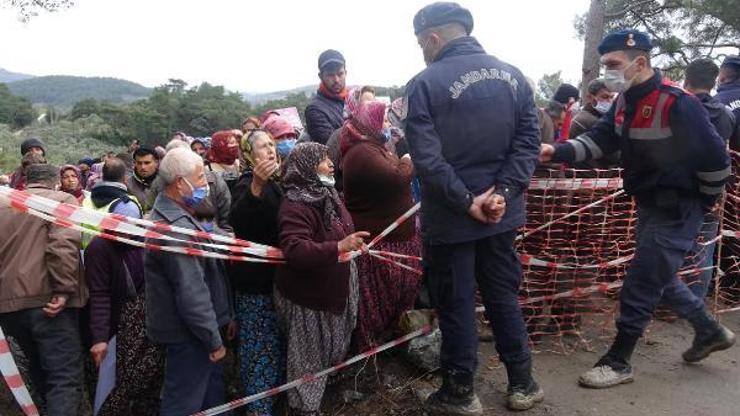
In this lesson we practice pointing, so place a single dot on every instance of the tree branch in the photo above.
(630, 8)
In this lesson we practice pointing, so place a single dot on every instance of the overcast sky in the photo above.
(260, 46)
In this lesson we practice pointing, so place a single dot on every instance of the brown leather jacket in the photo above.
(38, 259)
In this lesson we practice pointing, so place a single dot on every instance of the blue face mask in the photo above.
(199, 194)
(284, 147)
(386, 134)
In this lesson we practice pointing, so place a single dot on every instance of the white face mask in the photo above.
(615, 81)
(328, 181)
(603, 106)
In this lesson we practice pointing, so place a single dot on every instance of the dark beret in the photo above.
(732, 60)
(442, 13)
(625, 40)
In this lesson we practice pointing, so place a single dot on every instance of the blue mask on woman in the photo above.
(199, 194)
(284, 147)
(386, 134)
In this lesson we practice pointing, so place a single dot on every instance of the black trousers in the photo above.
(54, 352)
(454, 271)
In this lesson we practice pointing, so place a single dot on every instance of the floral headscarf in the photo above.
(365, 123)
(246, 146)
(302, 184)
(220, 151)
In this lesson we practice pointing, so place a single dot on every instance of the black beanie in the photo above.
(564, 92)
(32, 142)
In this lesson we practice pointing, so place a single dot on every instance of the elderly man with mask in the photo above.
(188, 297)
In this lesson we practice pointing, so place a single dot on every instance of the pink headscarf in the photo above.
(365, 123)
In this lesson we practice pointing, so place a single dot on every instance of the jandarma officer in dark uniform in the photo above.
(473, 132)
(675, 165)
(728, 92)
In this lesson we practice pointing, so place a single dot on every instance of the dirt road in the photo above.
(664, 384)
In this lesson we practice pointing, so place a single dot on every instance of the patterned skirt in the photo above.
(316, 340)
(261, 350)
(386, 291)
(139, 366)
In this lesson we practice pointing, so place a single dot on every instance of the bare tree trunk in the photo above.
(595, 26)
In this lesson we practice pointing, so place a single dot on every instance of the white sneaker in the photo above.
(604, 376)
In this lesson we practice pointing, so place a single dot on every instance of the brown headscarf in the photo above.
(77, 192)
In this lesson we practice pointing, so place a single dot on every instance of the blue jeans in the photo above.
(664, 238)
(454, 272)
(191, 382)
(54, 352)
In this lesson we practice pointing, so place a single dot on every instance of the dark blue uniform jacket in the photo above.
(471, 124)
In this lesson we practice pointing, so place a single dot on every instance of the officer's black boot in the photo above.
(614, 367)
(523, 392)
(710, 336)
(455, 397)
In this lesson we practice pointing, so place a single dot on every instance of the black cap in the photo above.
(442, 13)
(144, 150)
(330, 56)
(31, 143)
(625, 40)
(732, 60)
(564, 93)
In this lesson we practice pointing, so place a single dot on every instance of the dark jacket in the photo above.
(687, 157)
(472, 124)
(324, 114)
(186, 296)
(729, 95)
(313, 277)
(721, 117)
(107, 282)
(216, 207)
(377, 189)
(582, 122)
(255, 219)
(143, 191)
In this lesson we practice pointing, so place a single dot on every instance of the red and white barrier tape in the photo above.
(408, 214)
(401, 265)
(572, 184)
(527, 260)
(311, 377)
(149, 246)
(23, 201)
(14, 380)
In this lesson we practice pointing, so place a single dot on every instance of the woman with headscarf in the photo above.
(316, 296)
(131, 367)
(96, 175)
(355, 97)
(377, 191)
(283, 133)
(70, 182)
(223, 156)
(254, 217)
